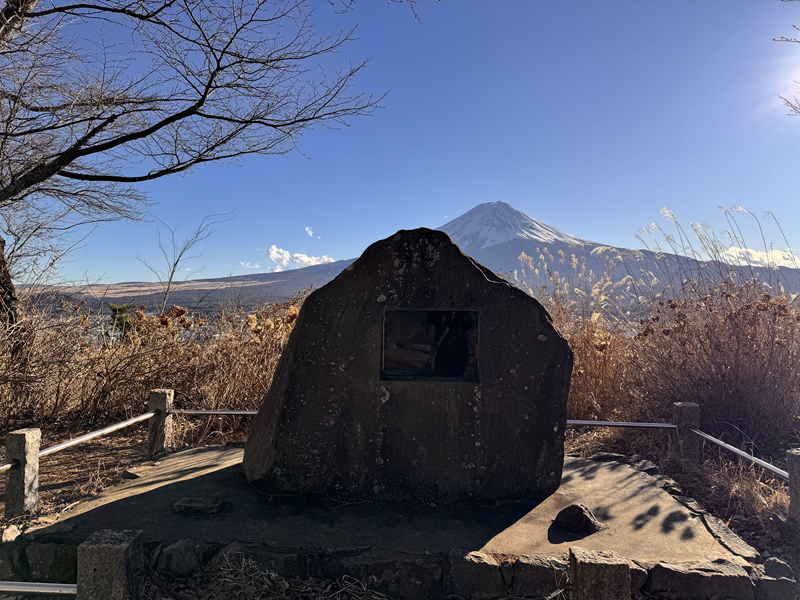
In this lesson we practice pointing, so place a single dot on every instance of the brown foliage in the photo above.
(732, 348)
(78, 368)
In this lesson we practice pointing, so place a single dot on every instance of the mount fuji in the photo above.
(497, 223)
(496, 234)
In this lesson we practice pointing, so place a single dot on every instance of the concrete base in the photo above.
(109, 561)
(393, 546)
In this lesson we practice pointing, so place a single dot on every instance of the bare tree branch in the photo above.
(210, 81)
(793, 104)
(96, 96)
(175, 252)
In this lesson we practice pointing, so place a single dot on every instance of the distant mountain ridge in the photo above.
(212, 294)
(494, 233)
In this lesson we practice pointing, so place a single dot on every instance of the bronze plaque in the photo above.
(430, 345)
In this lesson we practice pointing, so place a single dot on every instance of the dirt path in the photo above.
(78, 473)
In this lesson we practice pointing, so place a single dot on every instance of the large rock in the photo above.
(599, 575)
(179, 559)
(701, 580)
(461, 395)
(539, 576)
(475, 576)
(57, 563)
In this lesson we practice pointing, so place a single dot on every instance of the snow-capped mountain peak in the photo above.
(495, 223)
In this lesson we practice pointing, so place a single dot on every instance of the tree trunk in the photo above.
(10, 315)
(9, 303)
(17, 328)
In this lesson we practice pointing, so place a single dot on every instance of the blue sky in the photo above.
(590, 116)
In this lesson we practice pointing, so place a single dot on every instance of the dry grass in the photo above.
(77, 369)
(735, 351)
(238, 576)
(727, 345)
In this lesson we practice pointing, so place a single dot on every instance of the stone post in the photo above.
(793, 466)
(110, 563)
(599, 575)
(22, 480)
(686, 416)
(159, 428)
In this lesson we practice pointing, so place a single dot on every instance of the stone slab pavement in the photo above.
(643, 522)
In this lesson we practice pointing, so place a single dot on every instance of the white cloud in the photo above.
(746, 256)
(283, 258)
(304, 260)
(247, 265)
(310, 232)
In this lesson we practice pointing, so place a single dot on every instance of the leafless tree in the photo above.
(39, 237)
(793, 104)
(175, 253)
(100, 95)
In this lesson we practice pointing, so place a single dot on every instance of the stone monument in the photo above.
(417, 375)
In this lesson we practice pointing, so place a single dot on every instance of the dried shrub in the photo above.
(77, 367)
(584, 306)
(731, 345)
(726, 344)
(734, 350)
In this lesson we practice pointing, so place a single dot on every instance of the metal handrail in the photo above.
(123, 424)
(98, 433)
(758, 461)
(27, 587)
(182, 411)
(621, 424)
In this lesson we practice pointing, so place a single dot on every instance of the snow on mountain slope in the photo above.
(496, 223)
(496, 234)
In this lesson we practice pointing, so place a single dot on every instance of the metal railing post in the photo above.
(686, 416)
(22, 479)
(793, 466)
(159, 428)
